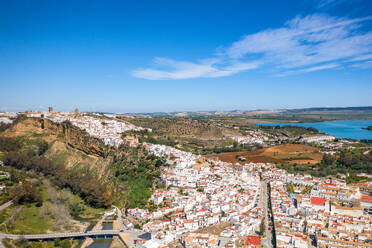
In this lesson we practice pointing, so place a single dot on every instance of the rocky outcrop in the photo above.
(74, 137)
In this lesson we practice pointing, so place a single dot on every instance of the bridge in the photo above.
(88, 234)
(99, 234)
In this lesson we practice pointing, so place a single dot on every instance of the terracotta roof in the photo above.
(317, 200)
(330, 184)
(253, 240)
(366, 198)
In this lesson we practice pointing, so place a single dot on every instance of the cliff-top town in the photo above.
(186, 124)
(211, 203)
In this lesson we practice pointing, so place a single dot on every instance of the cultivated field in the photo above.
(288, 153)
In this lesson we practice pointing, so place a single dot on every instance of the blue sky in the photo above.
(147, 56)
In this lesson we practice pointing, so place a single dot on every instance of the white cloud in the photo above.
(306, 41)
(362, 57)
(182, 70)
(304, 44)
(365, 65)
(324, 3)
(310, 69)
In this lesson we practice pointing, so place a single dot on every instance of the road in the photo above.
(120, 218)
(5, 205)
(266, 242)
(2, 207)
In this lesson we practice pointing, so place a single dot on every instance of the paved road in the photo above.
(120, 218)
(5, 205)
(266, 241)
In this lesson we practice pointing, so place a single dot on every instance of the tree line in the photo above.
(346, 162)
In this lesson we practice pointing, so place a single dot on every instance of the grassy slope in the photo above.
(31, 221)
(29, 218)
(60, 153)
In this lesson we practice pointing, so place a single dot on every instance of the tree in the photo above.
(26, 193)
(76, 209)
(262, 227)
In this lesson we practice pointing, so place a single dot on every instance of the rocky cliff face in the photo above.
(74, 137)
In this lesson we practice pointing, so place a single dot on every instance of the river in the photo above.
(102, 243)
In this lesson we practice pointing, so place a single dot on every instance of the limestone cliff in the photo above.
(75, 137)
(65, 131)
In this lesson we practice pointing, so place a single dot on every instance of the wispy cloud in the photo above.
(209, 68)
(304, 44)
(365, 65)
(306, 41)
(310, 69)
(325, 3)
(361, 57)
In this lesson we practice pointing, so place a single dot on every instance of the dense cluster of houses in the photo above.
(108, 130)
(318, 139)
(252, 137)
(319, 212)
(200, 194)
(7, 117)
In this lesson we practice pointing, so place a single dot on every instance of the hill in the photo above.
(100, 174)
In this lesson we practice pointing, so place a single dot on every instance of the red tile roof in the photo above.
(317, 200)
(330, 184)
(253, 240)
(366, 198)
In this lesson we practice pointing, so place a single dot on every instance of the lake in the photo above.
(341, 129)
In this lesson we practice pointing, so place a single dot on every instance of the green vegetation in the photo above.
(79, 180)
(194, 145)
(4, 126)
(37, 135)
(194, 135)
(135, 171)
(367, 128)
(307, 189)
(262, 227)
(290, 187)
(346, 162)
(52, 211)
(296, 158)
(25, 216)
(22, 243)
(27, 154)
(61, 135)
(289, 131)
(208, 134)
(26, 193)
